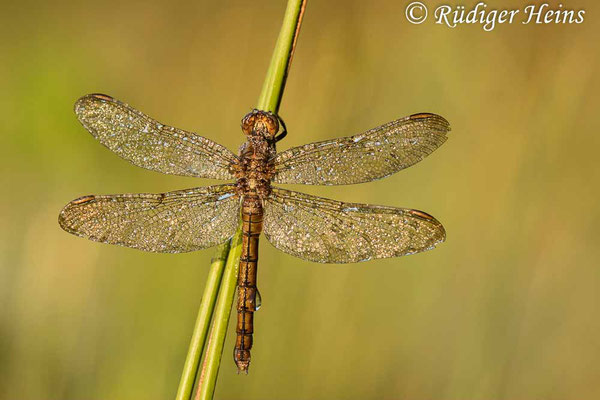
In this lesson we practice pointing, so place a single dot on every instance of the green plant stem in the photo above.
(205, 313)
(269, 100)
(216, 341)
(274, 83)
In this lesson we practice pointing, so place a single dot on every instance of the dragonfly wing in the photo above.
(328, 231)
(149, 144)
(173, 222)
(371, 155)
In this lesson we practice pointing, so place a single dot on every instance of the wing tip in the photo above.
(63, 221)
(431, 219)
(92, 98)
(445, 125)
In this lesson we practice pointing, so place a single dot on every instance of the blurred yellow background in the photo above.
(507, 308)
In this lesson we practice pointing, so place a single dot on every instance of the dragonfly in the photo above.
(305, 226)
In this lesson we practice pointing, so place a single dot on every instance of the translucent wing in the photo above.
(328, 231)
(361, 158)
(174, 222)
(149, 144)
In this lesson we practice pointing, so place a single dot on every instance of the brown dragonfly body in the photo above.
(312, 228)
(253, 185)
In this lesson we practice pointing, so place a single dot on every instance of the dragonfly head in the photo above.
(260, 123)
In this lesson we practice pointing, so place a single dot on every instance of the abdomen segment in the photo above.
(248, 297)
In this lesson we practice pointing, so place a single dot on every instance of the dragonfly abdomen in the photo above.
(248, 297)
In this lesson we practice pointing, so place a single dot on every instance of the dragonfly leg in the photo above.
(282, 134)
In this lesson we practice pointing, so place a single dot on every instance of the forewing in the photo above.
(371, 155)
(149, 144)
(173, 222)
(328, 231)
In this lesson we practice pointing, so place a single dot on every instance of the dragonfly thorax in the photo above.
(255, 168)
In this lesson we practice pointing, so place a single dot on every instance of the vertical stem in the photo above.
(214, 349)
(281, 60)
(269, 100)
(205, 313)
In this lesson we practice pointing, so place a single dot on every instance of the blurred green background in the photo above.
(507, 308)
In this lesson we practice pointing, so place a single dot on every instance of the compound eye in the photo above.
(272, 125)
(248, 123)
